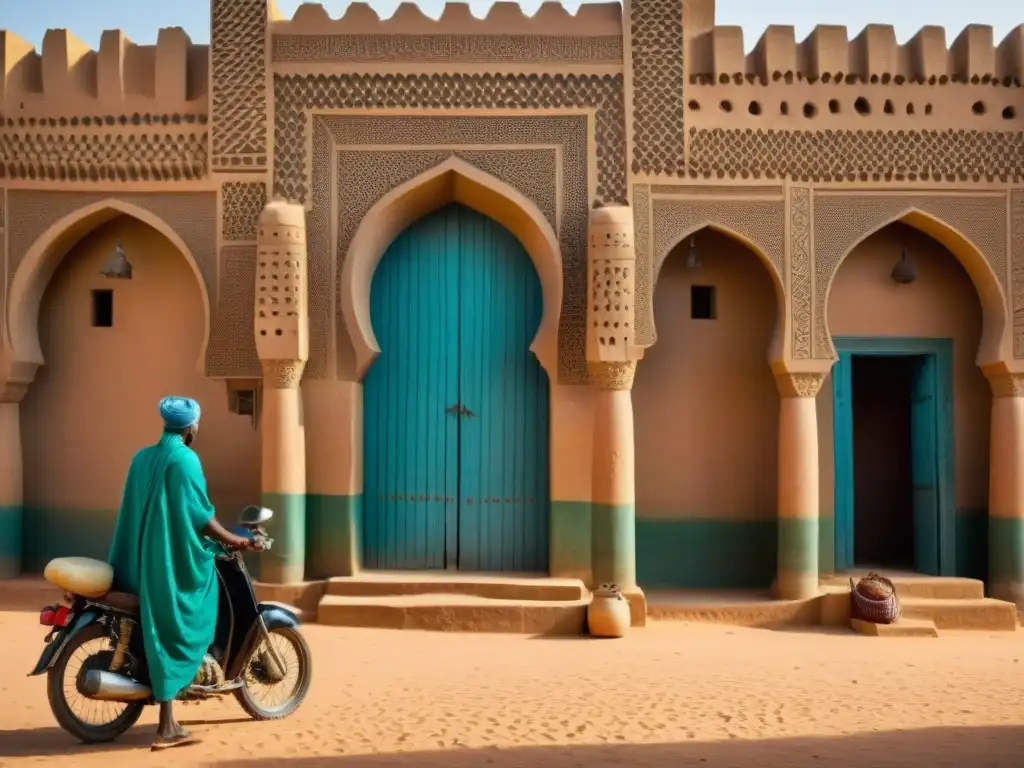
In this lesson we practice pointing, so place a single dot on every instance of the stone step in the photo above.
(902, 628)
(984, 614)
(739, 609)
(937, 587)
(496, 587)
(455, 613)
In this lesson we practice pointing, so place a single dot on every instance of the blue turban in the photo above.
(179, 412)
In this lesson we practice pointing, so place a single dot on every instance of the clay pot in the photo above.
(608, 614)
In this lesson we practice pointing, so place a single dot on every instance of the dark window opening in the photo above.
(243, 402)
(103, 308)
(702, 302)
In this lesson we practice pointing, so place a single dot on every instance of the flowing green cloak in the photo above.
(159, 554)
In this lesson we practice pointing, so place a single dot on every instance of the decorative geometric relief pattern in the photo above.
(717, 190)
(841, 221)
(1017, 270)
(232, 350)
(242, 203)
(801, 295)
(488, 49)
(192, 215)
(296, 95)
(103, 156)
(656, 28)
(642, 316)
(528, 170)
(949, 156)
(239, 98)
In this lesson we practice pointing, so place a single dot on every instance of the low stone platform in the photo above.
(457, 602)
(902, 628)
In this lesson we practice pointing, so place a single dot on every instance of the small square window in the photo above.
(702, 302)
(103, 308)
(243, 402)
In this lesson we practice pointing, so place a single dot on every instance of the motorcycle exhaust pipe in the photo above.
(109, 686)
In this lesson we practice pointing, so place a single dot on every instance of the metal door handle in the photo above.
(468, 413)
(454, 409)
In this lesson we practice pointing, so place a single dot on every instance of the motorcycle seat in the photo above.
(121, 601)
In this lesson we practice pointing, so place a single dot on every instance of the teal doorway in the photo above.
(894, 455)
(456, 405)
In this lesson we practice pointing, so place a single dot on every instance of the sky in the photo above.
(141, 20)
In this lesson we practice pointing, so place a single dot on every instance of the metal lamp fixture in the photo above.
(117, 266)
(692, 259)
(903, 272)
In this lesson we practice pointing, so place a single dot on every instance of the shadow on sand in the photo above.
(977, 747)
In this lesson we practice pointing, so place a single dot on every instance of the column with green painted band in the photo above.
(281, 328)
(11, 485)
(797, 567)
(334, 476)
(612, 356)
(1006, 489)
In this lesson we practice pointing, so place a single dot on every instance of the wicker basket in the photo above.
(874, 599)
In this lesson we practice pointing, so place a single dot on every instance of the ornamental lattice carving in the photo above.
(282, 374)
(1017, 270)
(485, 49)
(643, 320)
(367, 174)
(103, 156)
(801, 294)
(613, 375)
(297, 95)
(1006, 384)
(800, 384)
(656, 28)
(232, 349)
(239, 88)
(879, 155)
(242, 203)
(842, 220)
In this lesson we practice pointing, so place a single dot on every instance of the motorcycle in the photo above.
(94, 650)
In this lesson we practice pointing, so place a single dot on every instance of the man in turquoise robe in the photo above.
(159, 553)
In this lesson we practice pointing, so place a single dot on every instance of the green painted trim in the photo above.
(1006, 550)
(798, 545)
(613, 543)
(286, 562)
(826, 544)
(898, 346)
(333, 529)
(10, 541)
(49, 533)
(703, 553)
(570, 539)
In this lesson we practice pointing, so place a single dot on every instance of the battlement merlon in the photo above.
(70, 79)
(716, 55)
(503, 18)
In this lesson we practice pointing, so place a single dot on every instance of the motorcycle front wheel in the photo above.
(270, 692)
(88, 720)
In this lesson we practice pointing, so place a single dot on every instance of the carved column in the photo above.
(11, 480)
(797, 566)
(1006, 489)
(611, 358)
(282, 343)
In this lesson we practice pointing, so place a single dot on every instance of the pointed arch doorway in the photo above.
(456, 404)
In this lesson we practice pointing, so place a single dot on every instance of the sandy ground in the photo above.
(670, 695)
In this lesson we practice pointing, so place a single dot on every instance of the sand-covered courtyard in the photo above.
(669, 695)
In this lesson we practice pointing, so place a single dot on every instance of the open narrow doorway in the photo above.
(890, 477)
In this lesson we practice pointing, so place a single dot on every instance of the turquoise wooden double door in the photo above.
(456, 405)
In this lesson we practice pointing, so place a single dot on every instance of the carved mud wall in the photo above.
(530, 154)
(1017, 270)
(656, 54)
(591, 104)
(841, 220)
(664, 215)
(238, 40)
(193, 216)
